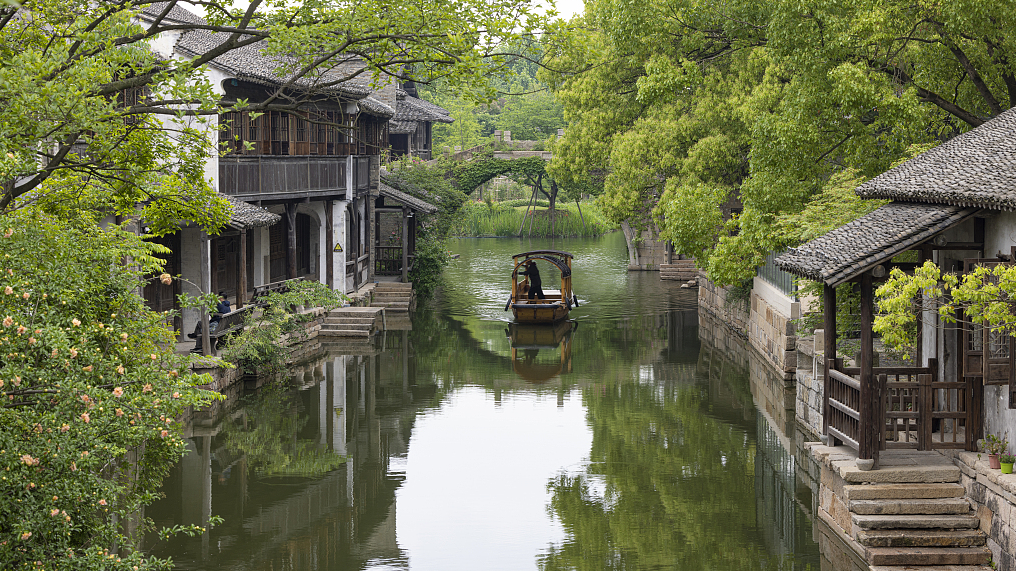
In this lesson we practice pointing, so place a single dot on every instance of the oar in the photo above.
(509, 304)
(575, 299)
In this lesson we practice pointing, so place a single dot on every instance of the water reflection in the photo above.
(529, 340)
(637, 439)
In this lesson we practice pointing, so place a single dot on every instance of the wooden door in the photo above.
(277, 250)
(986, 350)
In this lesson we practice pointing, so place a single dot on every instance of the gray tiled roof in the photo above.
(412, 109)
(408, 200)
(977, 168)
(246, 215)
(396, 127)
(250, 63)
(870, 240)
(177, 14)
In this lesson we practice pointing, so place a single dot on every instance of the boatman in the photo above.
(535, 283)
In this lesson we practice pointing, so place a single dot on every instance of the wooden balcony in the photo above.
(271, 177)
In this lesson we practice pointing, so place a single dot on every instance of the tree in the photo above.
(766, 101)
(90, 391)
(92, 118)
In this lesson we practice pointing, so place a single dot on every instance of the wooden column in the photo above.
(868, 438)
(241, 287)
(405, 244)
(829, 323)
(291, 241)
(329, 245)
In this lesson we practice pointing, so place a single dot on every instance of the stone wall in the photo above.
(994, 494)
(810, 382)
(720, 303)
(773, 333)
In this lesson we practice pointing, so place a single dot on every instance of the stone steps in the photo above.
(922, 538)
(351, 322)
(395, 297)
(916, 556)
(911, 521)
(903, 491)
(919, 506)
(931, 568)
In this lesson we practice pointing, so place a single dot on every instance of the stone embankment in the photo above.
(911, 513)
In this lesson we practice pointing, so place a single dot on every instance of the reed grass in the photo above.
(504, 219)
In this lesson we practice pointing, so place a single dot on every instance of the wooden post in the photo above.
(241, 287)
(329, 245)
(206, 286)
(528, 208)
(868, 438)
(829, 322)
(924, 407)
(405, 244)
(291, 241)
(583, 217)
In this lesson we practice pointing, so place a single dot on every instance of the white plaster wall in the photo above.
(254, 236)
(339, 235)
(190, 269)
(999, 234)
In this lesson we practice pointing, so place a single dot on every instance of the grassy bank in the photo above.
(504, 219)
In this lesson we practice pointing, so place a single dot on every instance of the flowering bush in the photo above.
(89, 392)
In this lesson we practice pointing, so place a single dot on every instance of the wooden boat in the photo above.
(541, 352)
(556, 304)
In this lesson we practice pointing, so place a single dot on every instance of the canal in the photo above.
(631, 438)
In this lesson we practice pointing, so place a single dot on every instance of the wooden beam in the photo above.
(869, 441)
(405, 244)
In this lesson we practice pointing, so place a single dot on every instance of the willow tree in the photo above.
(688, 103)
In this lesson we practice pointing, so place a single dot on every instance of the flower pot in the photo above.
(1007, 467)
(993, 462)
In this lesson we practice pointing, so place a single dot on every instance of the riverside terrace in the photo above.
(911, 427)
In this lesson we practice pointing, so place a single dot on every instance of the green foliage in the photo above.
(90, 391)
(262, 347)
(431, 258)
(469, 175)
(505, 220)
(993, 444)
(775, 103)
(985, 296)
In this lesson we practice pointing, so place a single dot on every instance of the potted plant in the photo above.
(1006, 461)
(994, 446)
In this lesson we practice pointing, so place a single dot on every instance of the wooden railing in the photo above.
(912, 409)
(843, 408)
(388, 261)
(266, 177)
(357, 269)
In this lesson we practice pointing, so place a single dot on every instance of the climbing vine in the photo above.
(470, 175)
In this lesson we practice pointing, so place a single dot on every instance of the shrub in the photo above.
(90, 388)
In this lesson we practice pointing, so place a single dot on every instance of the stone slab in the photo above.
(921, 538)
(902, 491)
(930, 568)
(900, 474)
(934, 506)
(928, 555)
(916, 521)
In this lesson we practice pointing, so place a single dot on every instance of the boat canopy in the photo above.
(553, 256)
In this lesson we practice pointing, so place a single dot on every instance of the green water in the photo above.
(619, 441)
